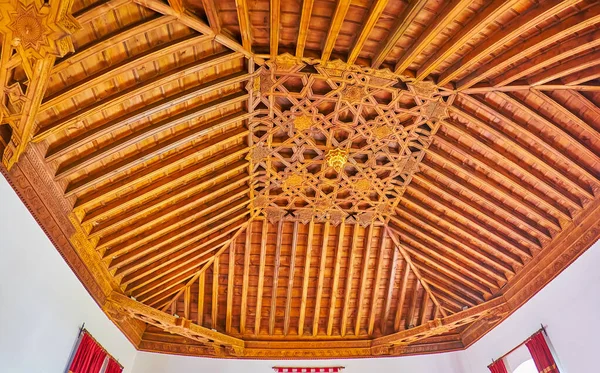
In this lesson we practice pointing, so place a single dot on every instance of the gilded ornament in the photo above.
(304, 215)
(302, 123)
(337, 158)
(274, 214)
(293, 181)
(28, 28)
(365, 219)
(353, 94)
(425, 89)
(258, 154)
(434, 110)
(362, 185)
(382, 132)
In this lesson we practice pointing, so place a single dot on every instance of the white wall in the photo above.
(570, 308)
(42, 303)
(157, 363)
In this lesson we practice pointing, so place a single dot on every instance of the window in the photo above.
(526, 367)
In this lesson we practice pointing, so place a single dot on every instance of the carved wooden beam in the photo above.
(33, 36)
(175, 325)
(439, 326)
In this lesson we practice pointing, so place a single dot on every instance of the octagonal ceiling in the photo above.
(306, 179)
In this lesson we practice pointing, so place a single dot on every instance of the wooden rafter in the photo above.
(334, 29)
(404, 21)
(549, 36)
(322, 261)
(195, 23)
(212, 14)
(307, 6)
(363, 275)
(374, 13)
(521, 24)
(274, 26)
(243, 15)
(306, 278)
(261, 275)
(475, 25)
(444, 18)
(336, 277)
(275, 284)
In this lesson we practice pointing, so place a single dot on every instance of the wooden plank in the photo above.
(290, 287)
(549, 36)
(215, 293)
(363, 276)
(212, 14)
(246, 278)
(334, 29)
(446, 16)
(414, 269)
(336, 277)
(520, 25)
(413, 305)
(445, 257)
(577, 46)
(375, 289)
(186, 302)
(401, 296)
(274, 26)
(408, 16)
(111, 39)
(160, 148)
(307, 6)
(512, 143)
(195, 23)
(423, 316)
(567, 68)
(275, 284)
(134, 91)
(583, 76)
(230, 288)
(323, 260)
(306, 278)
(129, 64)
(389, 291)
(243, 15)
(261, 276)
(375, 12)
(56, 151)
(201, 294)
(147, 313)
(473, 27)
(221, 103)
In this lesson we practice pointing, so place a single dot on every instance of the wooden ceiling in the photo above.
(305, 179)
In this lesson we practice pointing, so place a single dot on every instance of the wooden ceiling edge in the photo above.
(258, 353)
(552, 261)
(38, 197)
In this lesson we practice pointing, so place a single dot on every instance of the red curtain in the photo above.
(113, 367)
(89, 356)
(540, 352)
(498, 367)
